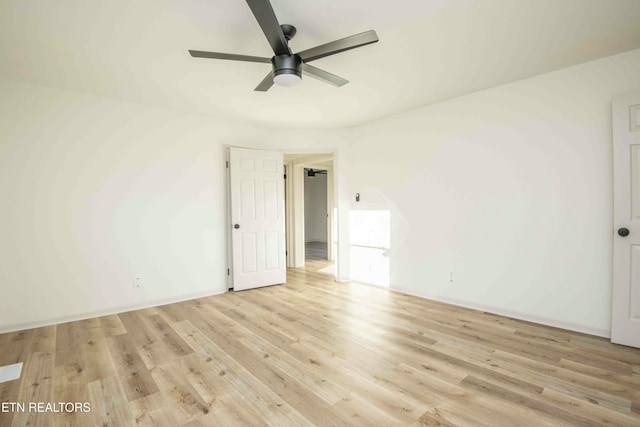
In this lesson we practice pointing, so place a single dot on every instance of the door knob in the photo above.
(236, 226)
(623, 232)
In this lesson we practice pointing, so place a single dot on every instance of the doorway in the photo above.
(315, 214)
(310, 212)
(316, 218)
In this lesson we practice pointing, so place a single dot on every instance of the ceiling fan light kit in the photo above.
(287, 80)
(287, 70)
(287, 67)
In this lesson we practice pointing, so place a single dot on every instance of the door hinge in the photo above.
(227, 164)
(285, 176)
(228, 272)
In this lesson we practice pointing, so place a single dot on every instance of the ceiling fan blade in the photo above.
(322, 75)
(266, 83)
(230, 56)
(266, 17)
(338, 46)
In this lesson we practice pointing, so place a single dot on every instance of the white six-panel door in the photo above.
(257, 218)
(625, 324)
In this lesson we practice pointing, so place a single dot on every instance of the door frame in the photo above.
(294, 203)
(228, 224)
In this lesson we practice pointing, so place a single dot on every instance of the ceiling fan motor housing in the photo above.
(287, 64)
(289, 31)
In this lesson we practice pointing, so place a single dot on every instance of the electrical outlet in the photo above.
(451, 276)
(137, 282)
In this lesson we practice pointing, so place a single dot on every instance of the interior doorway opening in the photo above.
(310, 212)
(315, 215)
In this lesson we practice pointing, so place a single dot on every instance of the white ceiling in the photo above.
(429, 51)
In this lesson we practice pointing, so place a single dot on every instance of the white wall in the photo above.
(315, 208)
(509, 189)
(96, 192)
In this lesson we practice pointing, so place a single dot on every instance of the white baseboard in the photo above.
(605, 333)
(106, 312)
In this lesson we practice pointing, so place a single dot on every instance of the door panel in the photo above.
(257, 215)
(634, 294)
(635, 188)
(271, 250)
(625, 321)
(247, 199)
(271, 203)
(634, 115)
(249, 253)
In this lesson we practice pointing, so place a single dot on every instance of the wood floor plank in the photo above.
(109, 405)
(368, 388)
(154, 410)
(112, 326)
(590, 410)
(37, 385)
(234, 373)
(317, 383)
(131, 370)
(487, 387)
(8, 393)
(67, 390)
(182, 396)
(80, 352)
(161, 345)
(13, 346)
(500, 367)
(278, 381)
(572, 385)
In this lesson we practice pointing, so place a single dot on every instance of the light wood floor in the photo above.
(316, 352)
